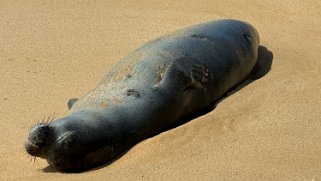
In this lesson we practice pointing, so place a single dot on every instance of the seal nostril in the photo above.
(31, 148)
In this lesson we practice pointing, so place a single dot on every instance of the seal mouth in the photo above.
(31, 147)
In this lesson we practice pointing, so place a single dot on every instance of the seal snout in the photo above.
(37, 140)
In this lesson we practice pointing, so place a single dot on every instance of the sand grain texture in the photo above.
(269, 130)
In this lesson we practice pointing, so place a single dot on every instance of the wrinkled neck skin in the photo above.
(90, 137)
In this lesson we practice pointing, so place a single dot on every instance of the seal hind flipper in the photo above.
(71, 102)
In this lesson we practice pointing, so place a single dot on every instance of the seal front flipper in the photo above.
(71, 102)
(198, 76)
(186, 73)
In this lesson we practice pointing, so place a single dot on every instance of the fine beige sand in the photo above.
(269, 130)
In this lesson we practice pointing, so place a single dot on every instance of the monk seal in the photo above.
(147, 91)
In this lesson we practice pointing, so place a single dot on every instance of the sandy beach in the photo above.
(51, 51)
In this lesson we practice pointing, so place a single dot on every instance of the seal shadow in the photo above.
(261, 68)
(50, 169)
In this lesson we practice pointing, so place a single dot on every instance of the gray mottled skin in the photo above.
(147, 91)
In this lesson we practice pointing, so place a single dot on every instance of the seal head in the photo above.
(70, 145)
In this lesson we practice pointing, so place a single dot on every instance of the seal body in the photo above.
(147, 91)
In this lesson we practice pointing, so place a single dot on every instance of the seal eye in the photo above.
(247, 37)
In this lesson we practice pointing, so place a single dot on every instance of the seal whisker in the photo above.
(42, 120)
(45, 120)
(53, 117)
(38, 122)
(49, 118)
